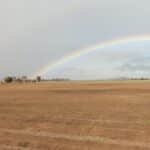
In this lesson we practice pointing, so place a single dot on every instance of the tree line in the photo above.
(10, 79)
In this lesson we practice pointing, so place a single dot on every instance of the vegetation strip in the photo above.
(106, 121)
(10, 147)
(96, 139)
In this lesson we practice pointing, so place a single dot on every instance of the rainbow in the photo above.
(83, 51)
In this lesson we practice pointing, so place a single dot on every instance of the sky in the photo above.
(34, 33)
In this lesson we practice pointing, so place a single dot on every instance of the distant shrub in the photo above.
(19, 80)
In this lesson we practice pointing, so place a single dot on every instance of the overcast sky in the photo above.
(36, 32)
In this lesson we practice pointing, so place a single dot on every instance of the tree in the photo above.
(8, 79)
(38, 78)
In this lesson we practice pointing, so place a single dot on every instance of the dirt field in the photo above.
(112, 115)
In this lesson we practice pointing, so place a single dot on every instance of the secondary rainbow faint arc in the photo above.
(83, 51)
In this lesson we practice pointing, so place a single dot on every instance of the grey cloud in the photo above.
(36, 32)
(137, 64)
(70, 72)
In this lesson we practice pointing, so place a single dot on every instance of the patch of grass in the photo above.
(23, 144)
